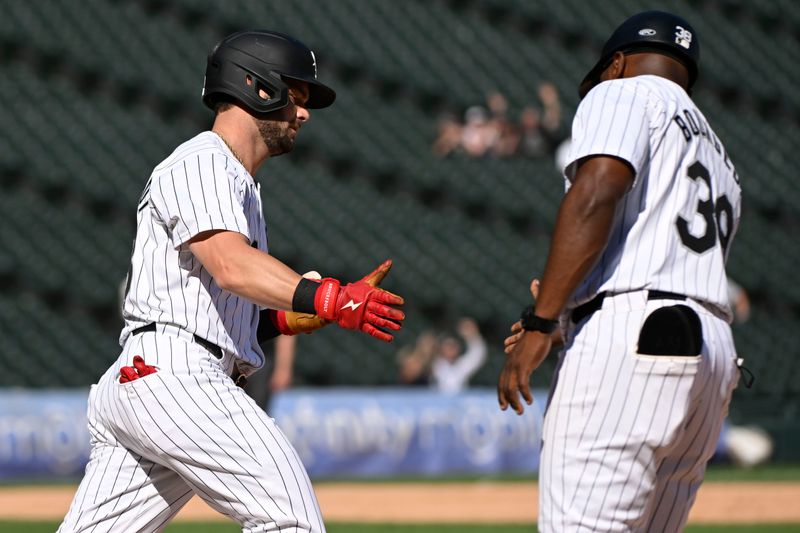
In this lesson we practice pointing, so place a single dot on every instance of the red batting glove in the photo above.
(361, 305)
(138, 370)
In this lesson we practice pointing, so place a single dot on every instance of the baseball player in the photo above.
(167, 420)
(636, 274)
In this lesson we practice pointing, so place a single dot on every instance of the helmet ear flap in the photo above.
(247, 89)
(275, 88)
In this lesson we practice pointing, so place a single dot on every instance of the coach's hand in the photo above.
(525, 351)
(361, 305)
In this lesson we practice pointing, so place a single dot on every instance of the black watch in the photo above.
(531, 322)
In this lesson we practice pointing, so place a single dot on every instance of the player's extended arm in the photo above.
(273, 323)
(263, 279)
(583, 227)
(243, 270)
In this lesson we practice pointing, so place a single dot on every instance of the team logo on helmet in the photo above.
(683, 37)
(314, 61)
(647, 32)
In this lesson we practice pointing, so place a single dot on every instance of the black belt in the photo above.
(585, 310)
(215, 350)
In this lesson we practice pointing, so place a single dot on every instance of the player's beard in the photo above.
(276, 137)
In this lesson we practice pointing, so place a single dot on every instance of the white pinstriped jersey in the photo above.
(673, 230)
(201, 186)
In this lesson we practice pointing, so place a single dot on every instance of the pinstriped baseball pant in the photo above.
(626, 437)
(185, 430)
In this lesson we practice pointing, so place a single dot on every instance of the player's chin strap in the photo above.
(747, 375)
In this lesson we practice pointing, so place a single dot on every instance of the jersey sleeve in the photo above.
(611, 120)
(199, 194)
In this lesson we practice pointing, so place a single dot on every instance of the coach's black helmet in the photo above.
(652, 31)
(267, 57)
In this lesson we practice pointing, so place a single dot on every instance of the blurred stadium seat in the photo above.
(95, 94)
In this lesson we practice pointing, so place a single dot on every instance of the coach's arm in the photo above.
(583, 227)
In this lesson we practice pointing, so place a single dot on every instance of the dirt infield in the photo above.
(473, 502)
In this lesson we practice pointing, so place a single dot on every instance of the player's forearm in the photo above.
(581, 234)
(245, 271)
(260, 278)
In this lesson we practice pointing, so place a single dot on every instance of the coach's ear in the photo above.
(616, 69)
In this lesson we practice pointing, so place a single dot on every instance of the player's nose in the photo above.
(303, 114)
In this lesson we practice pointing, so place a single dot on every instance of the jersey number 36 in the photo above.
(718, 216)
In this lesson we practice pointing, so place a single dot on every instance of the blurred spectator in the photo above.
(498, 105)
(487, 131)
(452, 369)
(551, 116)
(448, 139)
(542, 132)
(414, 362)
(478, 134)
(531, 140)
(506, 134)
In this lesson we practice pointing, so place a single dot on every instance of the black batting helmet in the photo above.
(653, 31)
(267, 57)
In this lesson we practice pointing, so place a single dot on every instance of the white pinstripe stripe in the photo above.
(656, 419)
(633, 435)
(602, 363)
(632, 119)
(202, 191)
(187, 429)
(704, 431)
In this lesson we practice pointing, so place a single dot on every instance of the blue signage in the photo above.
(386, 432)
(43, 434)
(337, 432)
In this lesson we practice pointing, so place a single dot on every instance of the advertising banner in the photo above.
(337, 432)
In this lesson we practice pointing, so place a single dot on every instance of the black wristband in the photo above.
(532, 322)
(303, 299)
(266, 329)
